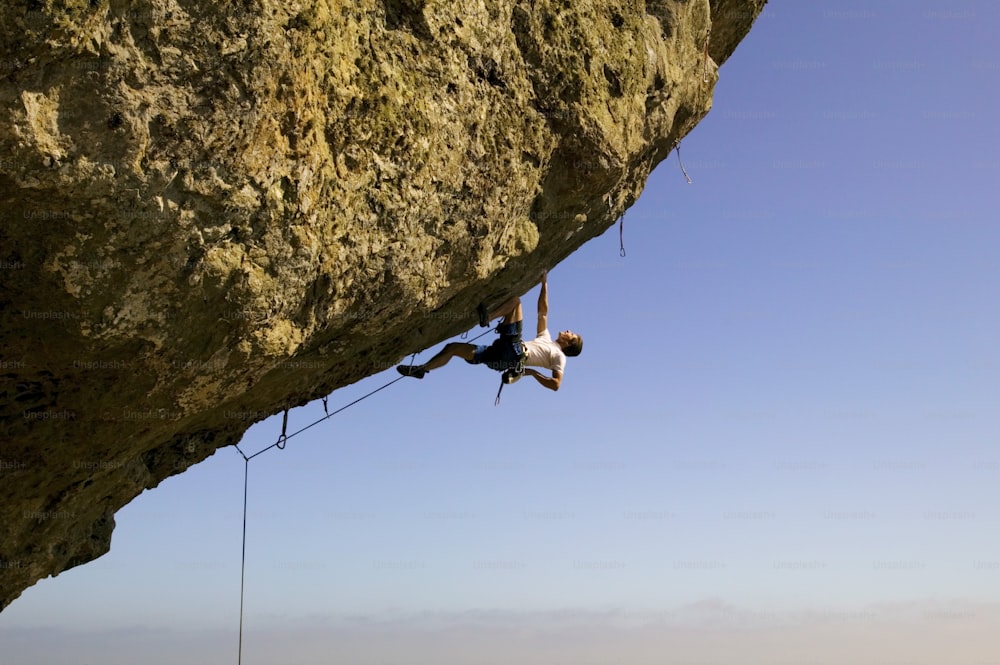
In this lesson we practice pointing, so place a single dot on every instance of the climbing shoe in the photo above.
(411, 370)
(484, 315)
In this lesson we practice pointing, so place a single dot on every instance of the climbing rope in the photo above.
(283, 438)
(280, 445)
(243, 558)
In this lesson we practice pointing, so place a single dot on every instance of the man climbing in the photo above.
(508, 352)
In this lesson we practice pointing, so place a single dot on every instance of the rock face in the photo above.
(209, 208)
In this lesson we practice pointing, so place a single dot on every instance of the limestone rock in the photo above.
(212, 212)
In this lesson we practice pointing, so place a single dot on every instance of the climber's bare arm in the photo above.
(552, 383)
(543, 305)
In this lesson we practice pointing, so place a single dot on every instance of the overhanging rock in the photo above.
(213, 211)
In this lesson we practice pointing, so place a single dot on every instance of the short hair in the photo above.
(574, 348)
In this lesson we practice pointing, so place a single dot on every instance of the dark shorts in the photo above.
(505, 353)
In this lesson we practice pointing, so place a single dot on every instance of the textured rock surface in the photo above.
(209, 208)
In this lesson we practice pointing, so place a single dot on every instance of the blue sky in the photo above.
(784, 415)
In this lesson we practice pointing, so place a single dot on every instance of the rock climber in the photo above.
(508, 353)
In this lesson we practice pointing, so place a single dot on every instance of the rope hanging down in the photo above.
(280, 445)
(243, 558)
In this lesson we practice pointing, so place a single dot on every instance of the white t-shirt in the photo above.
(543, 352)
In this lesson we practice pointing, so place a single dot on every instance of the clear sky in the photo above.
(780, 444)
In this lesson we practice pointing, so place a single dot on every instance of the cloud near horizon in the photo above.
(711, 632)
